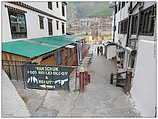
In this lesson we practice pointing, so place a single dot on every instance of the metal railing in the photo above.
(118, 78)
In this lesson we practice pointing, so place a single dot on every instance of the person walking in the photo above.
(101, 50)
(98, 50)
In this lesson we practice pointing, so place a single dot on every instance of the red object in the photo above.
(87, 78)
(81, 82)
(78, 75)
(129, 78)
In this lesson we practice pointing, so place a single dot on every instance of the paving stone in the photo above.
(43, 112)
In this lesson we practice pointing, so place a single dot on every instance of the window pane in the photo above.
(50, 5)
(147, 21)
(50, 28)
(57, 4)
(123, 26)
(41, 22)
(57, 24)
(17, 25)
(63, 10)
(63, 28)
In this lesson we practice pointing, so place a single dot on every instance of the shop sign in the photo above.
(47, 77)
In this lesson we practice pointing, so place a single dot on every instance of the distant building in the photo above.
(90, 24)
(134, 33)
(94, 29)
(23, 20)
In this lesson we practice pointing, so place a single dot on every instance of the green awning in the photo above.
(26, 49)
(59, 41)
(40, 46)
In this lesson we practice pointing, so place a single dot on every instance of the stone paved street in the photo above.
(100, 99)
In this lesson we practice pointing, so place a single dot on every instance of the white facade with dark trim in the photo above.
(138, 34)
(32, 11)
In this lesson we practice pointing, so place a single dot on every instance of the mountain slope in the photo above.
(88, 9)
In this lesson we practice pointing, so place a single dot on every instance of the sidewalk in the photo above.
(101, 99)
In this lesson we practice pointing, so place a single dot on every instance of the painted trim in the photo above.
(15, 9)
(21, 4)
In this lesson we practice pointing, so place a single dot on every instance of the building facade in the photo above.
(36, 32)
(25, 20)
(134, 33)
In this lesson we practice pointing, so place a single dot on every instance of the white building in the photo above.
(134, 33)
(21, 20)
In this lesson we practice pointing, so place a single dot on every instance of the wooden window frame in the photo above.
(115, 8)
(63, 10)
(119, 6)
(123, 4)
(148, 20)
(41, 22)
(123, 25)
(134, 26)
(57, 4)
(50, 5)
(57, 25)
(17, 35)
(63, 28)
(50, 27)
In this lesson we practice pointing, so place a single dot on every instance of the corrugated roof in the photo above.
(25, 48)
(58, 40)
(33, 49)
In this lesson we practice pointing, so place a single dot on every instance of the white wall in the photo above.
(32, 21)
(42, 5)
(6, 33)
(121, 15)
(144, 83)
(111, 52)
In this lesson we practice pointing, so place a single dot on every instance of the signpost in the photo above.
(47, 77)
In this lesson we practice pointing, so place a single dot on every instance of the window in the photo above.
(123, 4)
(63, 10)
(57, 4)
(17, 24)
(50, 28)
(115, 9)
(119, 6)
(50, 5)
(134, 24)
(147, 21)
(41, 18)
(63, 28)
(57, 24)
(123, 26)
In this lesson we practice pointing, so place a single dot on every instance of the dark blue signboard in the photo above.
(47, 77)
